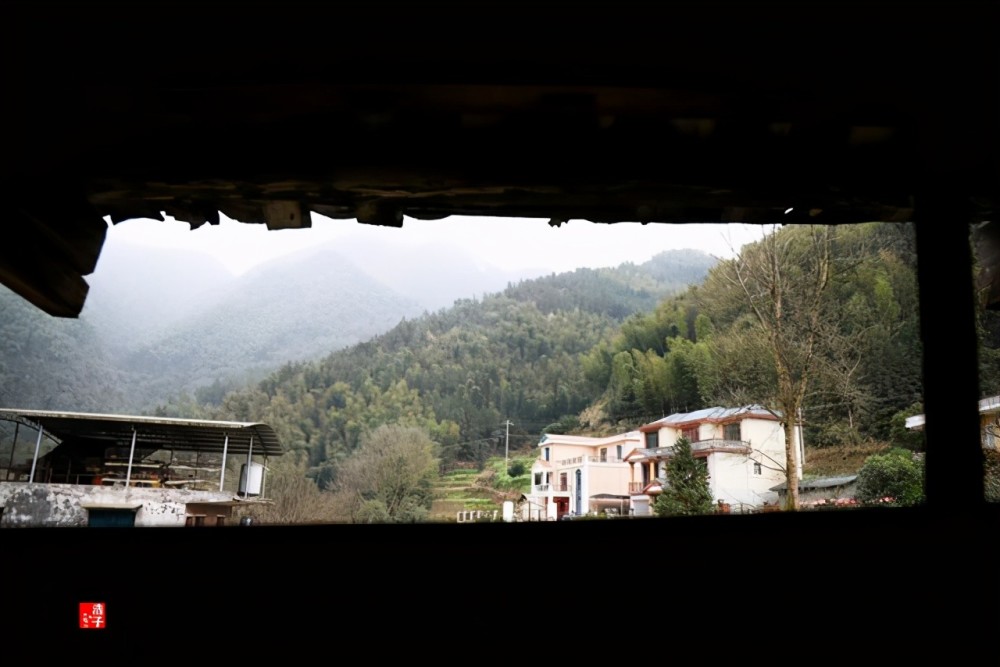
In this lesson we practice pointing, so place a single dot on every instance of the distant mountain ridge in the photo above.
(290, 309)
(620, 291)
(162, 321)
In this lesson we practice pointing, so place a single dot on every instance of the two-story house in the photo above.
(579, 474)
(743, 449)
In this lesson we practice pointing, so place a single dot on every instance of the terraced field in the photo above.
(470, 490)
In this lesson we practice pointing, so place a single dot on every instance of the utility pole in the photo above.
(506, 448)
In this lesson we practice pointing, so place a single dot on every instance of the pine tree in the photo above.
(686, 491)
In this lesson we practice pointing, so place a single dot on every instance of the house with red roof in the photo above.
(743, 450)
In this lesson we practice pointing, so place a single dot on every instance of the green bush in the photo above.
(896, 478)
(516, 469)
(902, 436)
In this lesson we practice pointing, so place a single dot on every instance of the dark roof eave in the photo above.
(154, 432)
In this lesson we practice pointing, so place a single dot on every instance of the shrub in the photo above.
(896, 477)
(902, 436)
(516, 469)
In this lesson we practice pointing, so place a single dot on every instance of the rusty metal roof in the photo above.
(183, 435)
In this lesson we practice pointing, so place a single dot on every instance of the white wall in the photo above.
(60, 504)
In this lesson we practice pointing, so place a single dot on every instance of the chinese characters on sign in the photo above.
(93, 615)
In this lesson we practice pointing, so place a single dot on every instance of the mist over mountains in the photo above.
(159, 322)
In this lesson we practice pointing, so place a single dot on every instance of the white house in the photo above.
(579, 475)
(743, 448)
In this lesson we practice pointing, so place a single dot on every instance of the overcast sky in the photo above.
(509, 243)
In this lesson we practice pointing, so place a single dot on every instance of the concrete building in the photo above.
(743, 448)
(576, 475)
(83, 469)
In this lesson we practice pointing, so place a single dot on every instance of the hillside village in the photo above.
(588, 378)
(621, 475)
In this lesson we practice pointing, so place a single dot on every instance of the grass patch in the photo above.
(496, 476)
(839, 459)
(463, 494)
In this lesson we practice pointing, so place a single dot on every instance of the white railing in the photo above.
(719, 443)
(554, 488)
(589, 459)
(468, 516)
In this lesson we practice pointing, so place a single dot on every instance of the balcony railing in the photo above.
(589, 459)
(659, 453)
(719, 443)
(552, 488)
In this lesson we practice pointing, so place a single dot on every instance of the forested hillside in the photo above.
(54, 364)
(461, 372)
(707, 347)
(292, 309)
(159, 322)
(579, 351)
(591, 351)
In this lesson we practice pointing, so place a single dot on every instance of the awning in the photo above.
(110, 506)
(183, 435)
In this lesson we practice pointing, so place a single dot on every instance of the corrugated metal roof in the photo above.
(718, 413)
(184, 435)
(820, 483)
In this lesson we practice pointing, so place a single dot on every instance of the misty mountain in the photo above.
(460, 371)
(136, 292)
(432, 274)
(159, 322)
(616, 292)
(51, 363)
(293, 308)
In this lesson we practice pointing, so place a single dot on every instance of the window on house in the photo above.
(604, 454)
(546, 452)
(538, 478)
(731, 431)
(618, 452)
(691, 433)
(652, 440)
(757, 468)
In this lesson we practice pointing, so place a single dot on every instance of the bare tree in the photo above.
(390, 478)
(783, 279)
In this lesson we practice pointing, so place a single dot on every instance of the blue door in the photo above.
(579, 491)
(111, 518)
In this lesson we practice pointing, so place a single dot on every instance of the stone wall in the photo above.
(62, 504)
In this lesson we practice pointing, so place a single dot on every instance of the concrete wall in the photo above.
(61, 504)
(734, 481)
